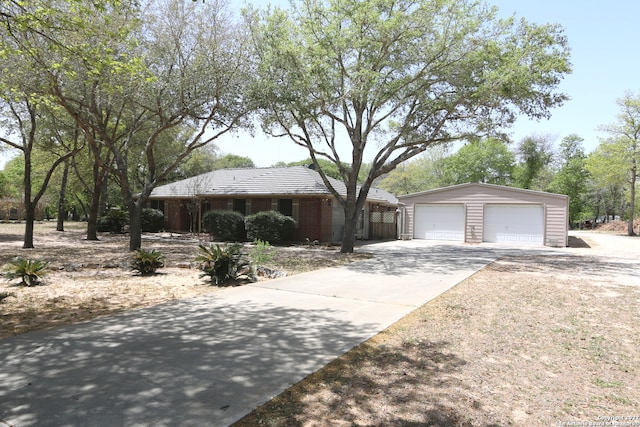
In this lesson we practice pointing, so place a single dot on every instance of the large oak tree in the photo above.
(130, 73)
(390, 78)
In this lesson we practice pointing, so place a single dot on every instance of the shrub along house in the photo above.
(295, 191)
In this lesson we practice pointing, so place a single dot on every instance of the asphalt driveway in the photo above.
(210, 360)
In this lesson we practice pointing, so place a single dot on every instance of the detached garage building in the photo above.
(476, 213)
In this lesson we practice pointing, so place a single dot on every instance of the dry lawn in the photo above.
(88, 279)
(542, 341)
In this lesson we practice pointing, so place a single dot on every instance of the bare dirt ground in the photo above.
(536, 341)
(88, 279)
(542, 341)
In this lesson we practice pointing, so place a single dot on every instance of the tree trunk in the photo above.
(135, 226)
(30, 216)
(351, 216)
(61, 198)
(632, 208)
(104, 192)
(92, 219)
(349, 236)
(94, 206)
(29, 207)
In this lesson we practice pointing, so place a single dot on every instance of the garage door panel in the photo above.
(514, 224)
(439, 222)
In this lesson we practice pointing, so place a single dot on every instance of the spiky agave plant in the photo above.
(30, 271)
(147, 262)
(222, 263)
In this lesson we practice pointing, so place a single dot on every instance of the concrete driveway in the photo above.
(210, 360)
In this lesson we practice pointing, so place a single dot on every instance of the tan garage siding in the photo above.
(557, 225)
(474, 222)
(407, 223)
(476, 196)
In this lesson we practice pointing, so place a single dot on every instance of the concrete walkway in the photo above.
(211, 360)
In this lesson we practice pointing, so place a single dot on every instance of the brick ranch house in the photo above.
(296, 191)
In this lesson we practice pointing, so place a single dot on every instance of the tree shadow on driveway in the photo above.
(415, 257)
(201, 361)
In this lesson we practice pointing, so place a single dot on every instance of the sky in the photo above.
(604, 38)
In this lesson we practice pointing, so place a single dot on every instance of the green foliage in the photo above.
(5, 190)
(152, 220)
(572, 177)
(224, 225)
(270, 226)
(262, 252)
(230, 161)
(398, 77)
(147, 262)
(223, 263)
(29, 271)
(420, 174)
(114, 221)
(618, 157)
(13, 177)
(487, 161)
(535, 155)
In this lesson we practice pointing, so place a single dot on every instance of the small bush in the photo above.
(28, 270)
(270, 226)
(147, 262)
(262, 253)
(152, 220)
(224, 225)
(223, 263)
(113, 221)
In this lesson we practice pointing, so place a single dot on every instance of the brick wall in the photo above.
(259, 205)
(314, 220)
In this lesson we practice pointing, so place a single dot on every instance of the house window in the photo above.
(285, 207)
(240, 205)
(157, 204)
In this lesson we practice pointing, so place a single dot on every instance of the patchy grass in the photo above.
(511, 345)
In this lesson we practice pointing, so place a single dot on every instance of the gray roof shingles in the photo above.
(294, 180)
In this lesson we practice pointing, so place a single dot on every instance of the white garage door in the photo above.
(514, 223)
(439, 222)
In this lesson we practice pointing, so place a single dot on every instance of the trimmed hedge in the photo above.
(270, 226)
(224, 225)
(152, 220)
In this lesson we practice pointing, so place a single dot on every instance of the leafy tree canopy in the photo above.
(572, 177)
(488, 161)
(394, 77)
(229, 161)
(535, 154)
(618, 157)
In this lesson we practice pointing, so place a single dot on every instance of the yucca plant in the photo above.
(147, 262)
(30, 271)
(222, 263)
